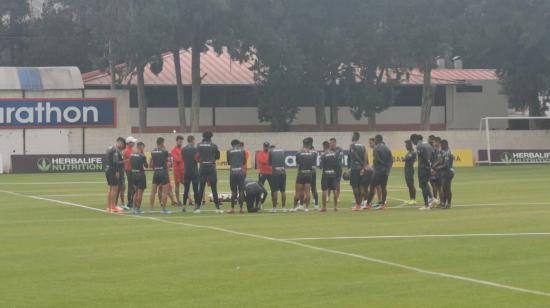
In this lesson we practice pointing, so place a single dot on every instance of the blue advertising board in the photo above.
(58, 113)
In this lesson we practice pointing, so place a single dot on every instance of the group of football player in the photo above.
(194, 166)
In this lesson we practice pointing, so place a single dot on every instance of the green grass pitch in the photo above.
(494, 250)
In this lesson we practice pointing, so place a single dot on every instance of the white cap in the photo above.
(131, 140)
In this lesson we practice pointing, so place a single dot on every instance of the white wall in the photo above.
(465, 110)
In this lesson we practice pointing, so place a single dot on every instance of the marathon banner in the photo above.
(57, 163)
(57, 113)
(516, 156)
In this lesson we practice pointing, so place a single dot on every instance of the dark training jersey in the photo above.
(114, 161)
(447, 159)
(425, 152)
(138, 161)
(329, 162)
(277, 160)
(340, 156)
(382, 158)
(252, 187)
(236, 158)
(306, 160)
(188, 154)
(357, 154)
(159, 159)
(208, 153)
(410, 159)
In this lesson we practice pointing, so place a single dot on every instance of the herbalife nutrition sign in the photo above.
(516, 156)
(56, 163)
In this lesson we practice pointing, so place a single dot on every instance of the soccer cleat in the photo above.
(336, 209)
(322, 210)
(292, 210)
(356, 208)
(306, 210)
(231, 211)
(219, 211)
(184, 209)
(411, 202)
(316, 206)
(165, 211)
(116, 209)
(137, 211)
(241, 211)
(366, 207)
(381, 207)
(197, 211)
(124, 207)
(425, 208)
(299, 208)
(273, 210)
(285, 210)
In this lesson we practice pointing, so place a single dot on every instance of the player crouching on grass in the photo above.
(161, 178)
(254, 195)
(236, 158)
(138, 163)
(329, 165)
(114, 163)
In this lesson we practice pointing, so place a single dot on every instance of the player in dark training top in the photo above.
(161, 177)
(207, 155)
(306, 160)
(190, 172)
(424, 154)
(409, 160)
(340, 154)
(446, 173)
(255, 194)
(329, 167)
(358, 163)
(236, 158)
(278, 177)
(114, 163)
(382, 164)
(138, 163)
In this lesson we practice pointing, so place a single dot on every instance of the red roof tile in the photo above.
(222, 70)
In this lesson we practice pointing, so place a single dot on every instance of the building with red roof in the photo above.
(228, 101)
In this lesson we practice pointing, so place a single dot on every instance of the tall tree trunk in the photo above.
(320, 113)
(372, 122)
(112, 69)
(142, 100)
(333, 107)
(427, 97)
(181, 97)
(535, 109)
(196, 85)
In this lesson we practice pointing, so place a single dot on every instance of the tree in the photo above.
(57, 27)
(427, 31)
(512, 36)
(13, 28)
(203, 23)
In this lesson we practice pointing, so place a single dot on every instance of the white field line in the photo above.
(316, 248)
(375, 237)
